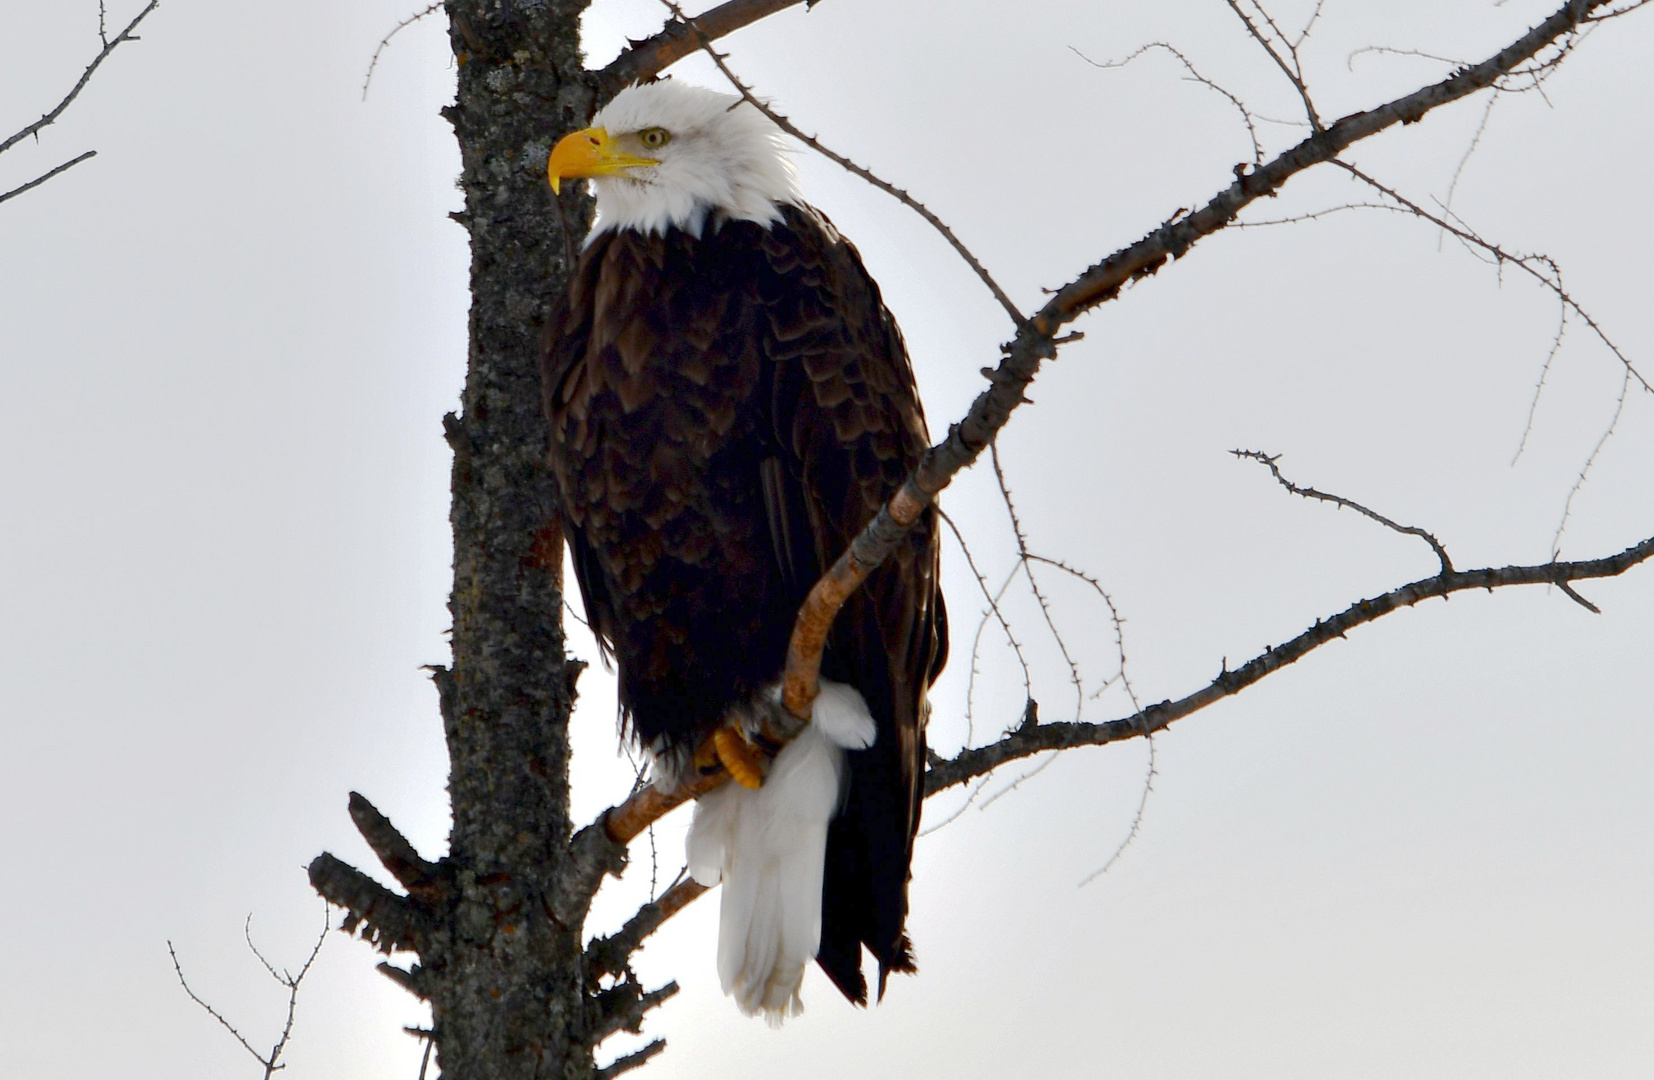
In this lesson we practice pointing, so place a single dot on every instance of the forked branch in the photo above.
(1269, 461)
(110, 44)
(290, 982)
(1028, 740)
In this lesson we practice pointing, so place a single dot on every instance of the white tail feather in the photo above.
(768, 848)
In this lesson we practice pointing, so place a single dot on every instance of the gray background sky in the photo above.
(226, 342)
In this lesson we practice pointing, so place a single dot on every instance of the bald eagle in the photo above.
(730, 403)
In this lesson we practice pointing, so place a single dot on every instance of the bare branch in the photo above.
(1033, 582)
(1115, 619)
(1136, 828)
(247, 936)
(1628, 9)
(1034, 341)
(212, 1012)
(1385, 50)
(648, 58)
(409, 979)
(41, 179)
(1269, 461)
(385, 41)
(1469, 152)
(630, 1061)
(422, 879)
(1026, 741)
(1544, 270)
(1539, 386)
(291, 982)
(1193, 76)
(1590, 462)
(1032, 737)
(993, 609)
(109, 46)
(1293, 71)
(388, 920)
(1535, 266)
(612, 954)
(1568, 591)
(425, 1058)
(622, 1008)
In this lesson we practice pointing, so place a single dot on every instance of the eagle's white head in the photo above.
(665, 154)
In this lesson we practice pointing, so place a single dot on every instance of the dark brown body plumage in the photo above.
(727, 412)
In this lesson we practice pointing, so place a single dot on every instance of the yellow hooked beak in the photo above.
(591, 152)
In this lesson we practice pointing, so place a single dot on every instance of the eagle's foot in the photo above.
(705, 759)
(746, 763)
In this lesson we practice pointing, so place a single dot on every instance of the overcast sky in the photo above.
(226, 343)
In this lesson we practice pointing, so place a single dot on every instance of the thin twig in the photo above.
(1526, 263)
(425, 1058)
(1193, 76)
(1530, 265)
(1590, 462)
(1033, 582)
(386, 40)
(1041, 738)
(1269, 462)
(109, 46)
(1293, 71)
(1385, 50)
(1539, 386)
(993, 609)
(212, 1012)
(271, 1061)
(992, 599)
(1136, 828)
(1464, 161)
(37, 181)
(628, 1062)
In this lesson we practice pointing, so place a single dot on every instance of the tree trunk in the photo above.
(506, 991)
(497, 929)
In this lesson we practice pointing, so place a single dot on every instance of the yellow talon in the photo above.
(744, 761)
(706, 757)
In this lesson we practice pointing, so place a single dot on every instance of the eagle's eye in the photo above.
(654, 138)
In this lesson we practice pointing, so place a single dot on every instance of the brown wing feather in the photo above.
(848, 409)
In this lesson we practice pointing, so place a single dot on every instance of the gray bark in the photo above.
(504, 969)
